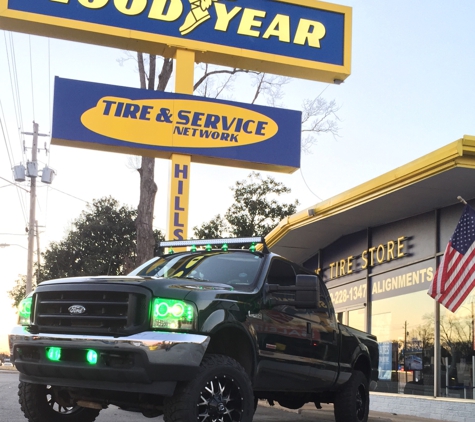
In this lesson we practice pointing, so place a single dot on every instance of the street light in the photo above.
(4, 245)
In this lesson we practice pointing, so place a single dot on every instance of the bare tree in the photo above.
(148, 187)
(318, 116)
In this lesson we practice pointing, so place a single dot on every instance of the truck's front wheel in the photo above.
(43, 403)
(352, 402)
(221, 391)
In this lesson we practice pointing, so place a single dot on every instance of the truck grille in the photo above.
(92, 309)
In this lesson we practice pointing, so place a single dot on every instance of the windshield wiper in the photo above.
(191, 277)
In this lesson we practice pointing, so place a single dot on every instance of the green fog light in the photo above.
(53, 353)
(92, 357)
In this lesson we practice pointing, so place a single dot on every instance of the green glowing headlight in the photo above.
(172, 314)
(53, 353)
(24, 311)
(91, 357)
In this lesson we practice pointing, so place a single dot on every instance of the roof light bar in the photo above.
(204, 242)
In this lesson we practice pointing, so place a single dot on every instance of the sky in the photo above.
(409, 93)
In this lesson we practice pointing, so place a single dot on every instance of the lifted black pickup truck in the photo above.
(199, 335)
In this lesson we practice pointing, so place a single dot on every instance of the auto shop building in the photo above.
(377, 247)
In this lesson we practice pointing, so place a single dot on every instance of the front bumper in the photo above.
(149, 362)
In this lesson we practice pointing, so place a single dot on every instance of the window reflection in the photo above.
(357, 319)
(456, 339)
(404, 327)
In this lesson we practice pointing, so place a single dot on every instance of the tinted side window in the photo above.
(283, 274)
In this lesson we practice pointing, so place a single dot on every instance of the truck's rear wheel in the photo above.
(43, 403)
(220, 392)
(352, 402)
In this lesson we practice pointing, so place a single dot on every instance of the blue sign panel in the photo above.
(301, 35)
(154, 123)
(229, 23)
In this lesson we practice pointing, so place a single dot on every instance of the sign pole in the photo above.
(181, 164)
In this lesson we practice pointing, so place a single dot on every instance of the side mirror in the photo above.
(307, 292)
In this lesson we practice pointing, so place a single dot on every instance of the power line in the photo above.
(14, 184)
(14, 86)
(308, 187)
(31, 80)
(7, 144)
(65, 193)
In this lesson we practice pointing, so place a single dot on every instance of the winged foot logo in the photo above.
(197, 15)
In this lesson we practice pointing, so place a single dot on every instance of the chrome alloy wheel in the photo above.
(221, 400)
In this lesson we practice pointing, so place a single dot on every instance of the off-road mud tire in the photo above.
(38, 405)
(221, 391)
(352, 402)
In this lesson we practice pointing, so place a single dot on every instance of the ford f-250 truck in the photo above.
(198, 335)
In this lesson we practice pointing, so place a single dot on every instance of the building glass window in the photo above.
(404, 326)
(357, 319)
(457, 350)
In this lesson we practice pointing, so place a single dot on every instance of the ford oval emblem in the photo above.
(76, 309)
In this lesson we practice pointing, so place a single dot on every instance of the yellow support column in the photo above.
(185, 71)
(181, 164)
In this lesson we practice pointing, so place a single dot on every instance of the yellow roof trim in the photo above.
(460, 153)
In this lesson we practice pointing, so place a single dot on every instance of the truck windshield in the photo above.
(234, 268)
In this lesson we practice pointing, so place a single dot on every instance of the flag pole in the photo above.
(463, 201)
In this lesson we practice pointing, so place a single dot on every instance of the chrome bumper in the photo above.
(161, 348)
(149, 362)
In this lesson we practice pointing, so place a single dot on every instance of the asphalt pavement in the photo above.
(9, 409)
(325, 414)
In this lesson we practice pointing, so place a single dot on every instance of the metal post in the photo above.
(473, 377)
(437, 354)
(446, 360)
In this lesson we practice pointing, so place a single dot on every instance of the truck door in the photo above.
(324, 341)
(284, 337)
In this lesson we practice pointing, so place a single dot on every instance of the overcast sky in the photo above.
(409, 93)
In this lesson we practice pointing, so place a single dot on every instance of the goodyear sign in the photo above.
(144, 122)
(300, 38)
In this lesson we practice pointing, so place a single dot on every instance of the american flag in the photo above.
(455, 276)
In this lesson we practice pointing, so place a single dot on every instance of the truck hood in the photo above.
(177, 288)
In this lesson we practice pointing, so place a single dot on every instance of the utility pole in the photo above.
(31, 223)
(32, 173)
